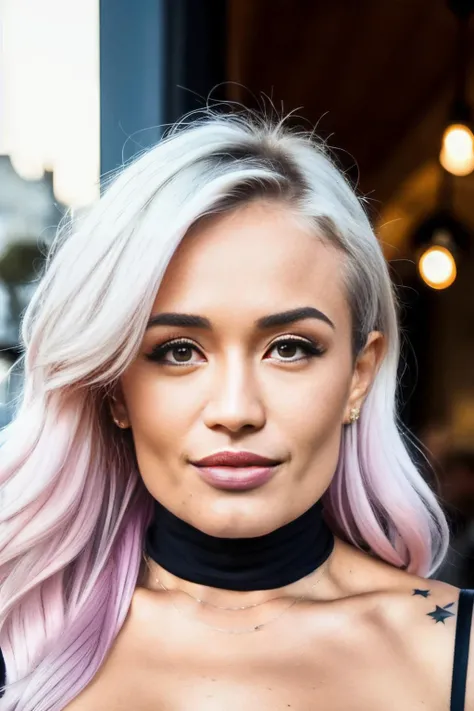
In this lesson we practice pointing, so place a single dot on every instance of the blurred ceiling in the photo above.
(376, 76)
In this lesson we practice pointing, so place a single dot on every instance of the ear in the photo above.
(366, 367)
(118, 408)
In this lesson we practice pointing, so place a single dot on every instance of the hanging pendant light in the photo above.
(441, 240)
(457, 144)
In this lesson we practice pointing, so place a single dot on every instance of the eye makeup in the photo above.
(159, 352)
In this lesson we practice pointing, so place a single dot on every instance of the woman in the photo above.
(208, 499)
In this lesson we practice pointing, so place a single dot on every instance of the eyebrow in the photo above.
(271, 321)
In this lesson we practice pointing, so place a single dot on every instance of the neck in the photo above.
(286, 561)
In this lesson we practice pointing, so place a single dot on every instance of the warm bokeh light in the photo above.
(437, 267)
(457, 151)
(49, 93)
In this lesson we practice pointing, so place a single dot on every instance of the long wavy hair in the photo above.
(74, 507)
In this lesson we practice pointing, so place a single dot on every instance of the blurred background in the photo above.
(86, 84)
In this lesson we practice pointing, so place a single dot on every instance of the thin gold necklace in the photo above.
(245, 607)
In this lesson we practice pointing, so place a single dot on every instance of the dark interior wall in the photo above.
(196, 54)
(365, 72)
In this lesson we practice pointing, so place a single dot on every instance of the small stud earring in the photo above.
(354, 415)
(119, 423)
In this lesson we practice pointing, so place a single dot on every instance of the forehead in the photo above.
(254, 260)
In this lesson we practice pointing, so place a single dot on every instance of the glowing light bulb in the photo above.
(437, 267)
(457, 152)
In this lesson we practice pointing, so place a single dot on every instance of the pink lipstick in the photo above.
(236, 470)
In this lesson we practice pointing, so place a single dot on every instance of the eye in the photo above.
(288, 345)
(181, 351)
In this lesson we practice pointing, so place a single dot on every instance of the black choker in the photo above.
(261, 563)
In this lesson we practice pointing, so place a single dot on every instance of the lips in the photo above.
(235, 478)
(235, 459)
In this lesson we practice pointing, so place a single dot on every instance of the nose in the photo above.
(236, 400)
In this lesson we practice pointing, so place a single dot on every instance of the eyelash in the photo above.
(312, 350)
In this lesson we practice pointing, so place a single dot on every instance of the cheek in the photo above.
(154, 408)
(311, 417)
(317, 401)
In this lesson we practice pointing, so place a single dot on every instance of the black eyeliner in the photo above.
(309, 347)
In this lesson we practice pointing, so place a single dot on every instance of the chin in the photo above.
(238, 517)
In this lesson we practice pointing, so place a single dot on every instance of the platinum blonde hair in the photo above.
(75, 508)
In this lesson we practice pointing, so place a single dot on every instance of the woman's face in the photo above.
(283, 391)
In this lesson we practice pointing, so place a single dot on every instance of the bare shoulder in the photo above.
(391, 633)
(418, 618)
(411, 622)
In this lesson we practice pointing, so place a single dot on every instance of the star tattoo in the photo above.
(424, 593)
(441, 613)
